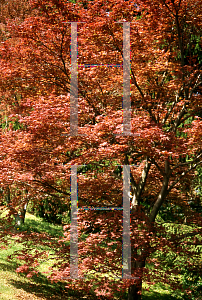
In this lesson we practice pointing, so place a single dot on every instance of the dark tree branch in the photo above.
(156, 164)
(187, 163)
(163, 193)
(185, 235)
(47, 185)
(182, 175)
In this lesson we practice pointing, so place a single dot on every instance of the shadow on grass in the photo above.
(158, 296)
(11, 267)
(40, 285)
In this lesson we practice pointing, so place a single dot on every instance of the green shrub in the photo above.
(53, 210)
(192, 280)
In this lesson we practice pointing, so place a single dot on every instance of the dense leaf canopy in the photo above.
(164, 149)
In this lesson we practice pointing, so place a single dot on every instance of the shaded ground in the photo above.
(14, 286)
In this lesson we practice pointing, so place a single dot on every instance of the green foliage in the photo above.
(158, 291)
(188, 267)
(194, 50)
(53, 210)
(15, 124)
(192, 280)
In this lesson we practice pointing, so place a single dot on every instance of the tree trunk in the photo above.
(20, 217)
(18, 220)
(137, 263)
(134, 291)
(23, 213)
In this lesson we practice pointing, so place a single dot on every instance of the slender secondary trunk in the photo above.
(8, 196)
(20, 217)
(18, 221)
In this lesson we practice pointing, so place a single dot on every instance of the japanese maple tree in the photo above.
(164, 149)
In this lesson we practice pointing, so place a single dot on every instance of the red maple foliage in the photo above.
(163, 150)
